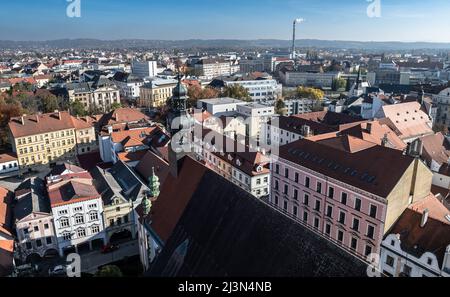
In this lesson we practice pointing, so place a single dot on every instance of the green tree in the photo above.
(310, 93)
(115, 106)
(338, 84)
(109, 271)
(49, 103)
(280, 107)
(7, 111)
(237, 92)
(77, 108)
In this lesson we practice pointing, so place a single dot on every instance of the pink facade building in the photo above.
(347, 189)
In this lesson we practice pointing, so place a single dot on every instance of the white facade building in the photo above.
(144, 69)
(219, 105)
(259, 90)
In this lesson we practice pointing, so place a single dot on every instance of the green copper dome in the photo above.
(153, 184)
(180, 90)
(146, 205)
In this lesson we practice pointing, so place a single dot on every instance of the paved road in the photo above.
(91, 261)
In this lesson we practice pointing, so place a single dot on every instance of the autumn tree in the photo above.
(196, 93)
(310, 93)
(7, 111)
(237, 92)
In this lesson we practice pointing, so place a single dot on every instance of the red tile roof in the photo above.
(351, 161)
(8, 157)
(433, 237)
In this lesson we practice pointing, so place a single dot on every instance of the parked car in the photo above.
(109, 248)
(57, 270)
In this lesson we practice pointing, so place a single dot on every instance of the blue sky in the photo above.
(401, 20)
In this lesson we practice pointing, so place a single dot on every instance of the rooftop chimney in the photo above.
(22, 120)
(369, 127)
(424, 218)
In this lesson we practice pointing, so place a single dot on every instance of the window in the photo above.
(286, 172)
(340, 236)
(294, 210)
(285, 205)
(62, 212)
(355, 224)
(286, 189)
(319, 187)
(92, 206)
(67, 236)
(305, 217)
(368, 250)
(342, 217)
(28, 245)
(329, 211)
(344, 198)
(373, 211)
(276, 200)
(277, 169)
(330, 192)
(95, 229)
(370, 231)
(353, 243)
(48, 240)
(46, 226)
(77, 209)
(358, 204)
(125, 218)
(36, 228)
(119, 221)
(429, 261)
(276, 185)
(93, 216)
(407, 270)
(316, 222)
(328, 229)
(111, 222)
(79, 219)
(389, 261)
(64, 222)
(307, 182)
(295, 194)
(306, 199)
(296, 177)
(317, 206)
(81, 232)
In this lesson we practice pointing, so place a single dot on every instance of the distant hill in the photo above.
(219, 43)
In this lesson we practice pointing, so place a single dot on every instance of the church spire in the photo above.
(153, 184)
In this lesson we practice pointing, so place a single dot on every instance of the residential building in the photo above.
(6, 234)
(156, 93)
(260, 88)
(408, 120)
(36, 236)
(235, 161)
(418, 244)
(98, 95)
(310, 79)
(77, 209)
(335, 187)
(9, 164)
(121, 119)
(442, 101)
(48, 138)
(218, 106)
(214, 67)
(129, 85)
(143, 69)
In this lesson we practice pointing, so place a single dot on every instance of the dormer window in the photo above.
(259, 168)
(238, 162)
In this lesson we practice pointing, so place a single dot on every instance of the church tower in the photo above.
(179, 124)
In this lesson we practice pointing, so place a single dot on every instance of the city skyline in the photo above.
(404, 21)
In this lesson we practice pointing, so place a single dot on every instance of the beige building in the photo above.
(98, 95)
(156, 93)
(47, 138)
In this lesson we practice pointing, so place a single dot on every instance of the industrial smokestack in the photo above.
(296, 21)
